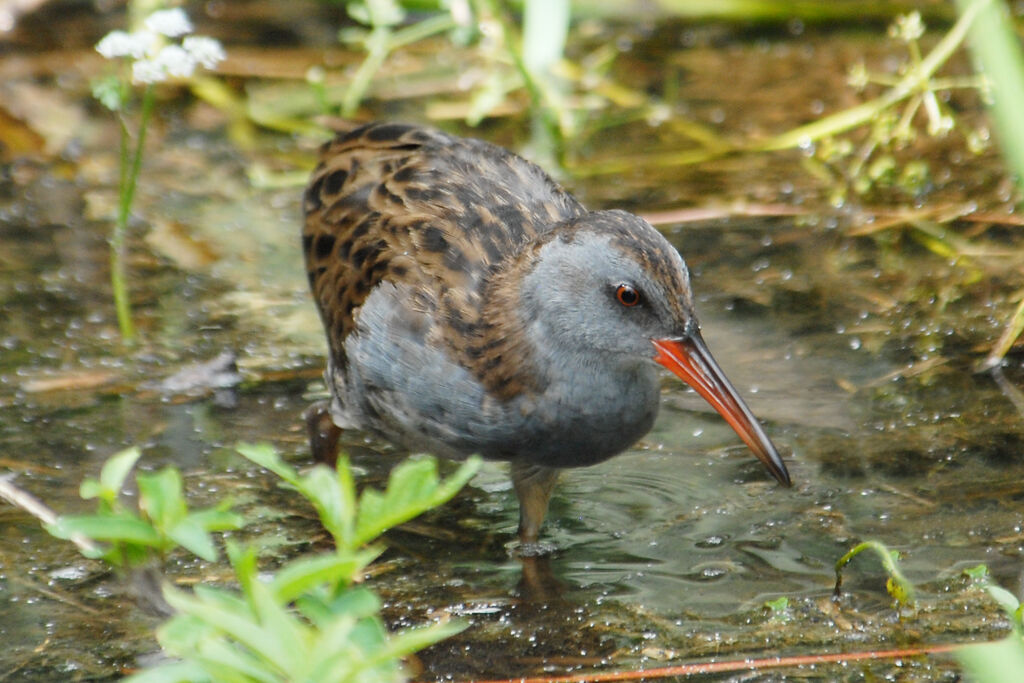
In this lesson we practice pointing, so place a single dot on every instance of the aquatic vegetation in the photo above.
(997, 49)
(897, 585)
(311, 619)
(147, 56)
(1003, 660)
(161, 523)
(912, 106)
(510, 60)
(334, 632)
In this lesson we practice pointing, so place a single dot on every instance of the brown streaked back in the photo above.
(407, 204)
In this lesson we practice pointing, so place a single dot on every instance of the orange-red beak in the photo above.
(691, 361)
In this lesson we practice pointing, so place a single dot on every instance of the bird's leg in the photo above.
(533, 484)
(323, 433)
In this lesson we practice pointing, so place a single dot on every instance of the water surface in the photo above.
(857, 352)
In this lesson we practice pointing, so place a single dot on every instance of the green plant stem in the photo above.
(779, 10)
(840, 122)
(379, 44)
(905, 590)
(1006, 340)
(996, 47)
(421, 30)
(868, 111)
(544, 89)
(377, 49)
(130, 166)
(545, 32)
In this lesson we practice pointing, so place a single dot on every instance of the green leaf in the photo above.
(123, 528)
(383, 659)
(314, 606)
(332, 657)
(182, 633)
(90, 488)
(347, 518)
(1007, 600)
(360, 602)
(226, 663)
(778, 609)
(996, 47)
(110, 91)
(264, 455)
(977, 573)
(191, 536)
(239, 624)
(161, 497)
(191, 638)
(998, 662)
(415, 639)
(225, 600)
(322, 488)
(291, 637)
(413, 488)
(243, 560)
(545, 30)
(898, 590)
(304, 574)
(369, 634)
(115, 470)
(323, 610)
(171, 672)
(217, 519)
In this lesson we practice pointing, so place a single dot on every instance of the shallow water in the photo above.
(857, 353)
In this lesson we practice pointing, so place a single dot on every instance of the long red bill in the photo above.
(690, 360)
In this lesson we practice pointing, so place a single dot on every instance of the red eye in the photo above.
(627, 295)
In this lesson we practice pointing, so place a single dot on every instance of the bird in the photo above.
(473, 306)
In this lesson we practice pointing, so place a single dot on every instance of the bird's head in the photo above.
(609, 288)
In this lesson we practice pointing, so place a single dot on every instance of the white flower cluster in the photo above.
(908, 27)
(153, 58)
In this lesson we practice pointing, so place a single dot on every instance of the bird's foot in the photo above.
(520, 548)
(323, 433)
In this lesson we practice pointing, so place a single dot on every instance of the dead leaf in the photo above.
(176, 242)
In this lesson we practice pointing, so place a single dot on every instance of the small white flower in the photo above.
(204, 50)
(908, 27)
(176, 61)
(156, 61)
(147, 71)
(169, 22)
(858, 77)
(122, 44)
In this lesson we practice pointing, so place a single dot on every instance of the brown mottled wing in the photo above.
(413, 205)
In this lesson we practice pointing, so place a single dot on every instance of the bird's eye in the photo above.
(627, 295)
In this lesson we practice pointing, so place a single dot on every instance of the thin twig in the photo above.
(1006, 340)
(38, 509)
(1015, 395)
(55, 595)
(9, 674)
(738, 665)
(713, 213)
